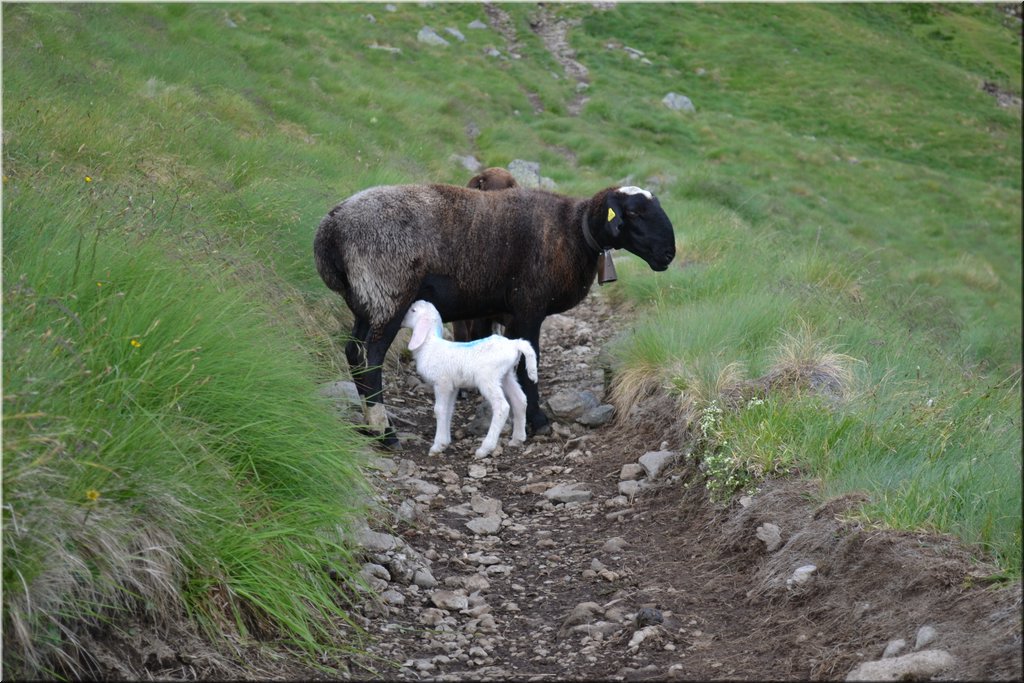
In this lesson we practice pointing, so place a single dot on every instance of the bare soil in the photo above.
(695, 571)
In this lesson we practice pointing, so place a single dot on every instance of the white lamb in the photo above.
(488, 364)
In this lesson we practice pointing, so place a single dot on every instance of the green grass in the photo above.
(155, 457)
(848, 289)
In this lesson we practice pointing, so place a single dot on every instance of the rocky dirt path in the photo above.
(532, 564)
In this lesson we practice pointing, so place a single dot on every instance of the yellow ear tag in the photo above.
(611, 215)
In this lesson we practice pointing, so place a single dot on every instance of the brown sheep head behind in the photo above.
(494, 178)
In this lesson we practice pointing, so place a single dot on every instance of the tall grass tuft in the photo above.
(164, 449)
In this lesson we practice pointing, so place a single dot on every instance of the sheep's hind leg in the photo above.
(499, 414)
(536, 420)
(370, 383)
(517, 399)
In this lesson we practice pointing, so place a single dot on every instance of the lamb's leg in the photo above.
(517, 399)
(499, 414)
(529, 330)
(444, 407)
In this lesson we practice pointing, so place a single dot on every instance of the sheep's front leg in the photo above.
(444, 408)
(517, 399)
(499, 414)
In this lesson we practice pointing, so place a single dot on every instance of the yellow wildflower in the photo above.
(93, 495)
(88, 179)
(136, 343)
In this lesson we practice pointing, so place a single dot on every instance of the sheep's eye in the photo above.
(631, 213)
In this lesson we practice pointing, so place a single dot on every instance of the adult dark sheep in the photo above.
(493, 178)
(526, 253)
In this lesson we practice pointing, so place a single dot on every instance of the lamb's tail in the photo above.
(530, 356)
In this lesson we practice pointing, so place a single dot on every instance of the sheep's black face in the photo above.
(638, 224)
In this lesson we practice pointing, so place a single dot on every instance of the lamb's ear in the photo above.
(614, 217)
(420, 331)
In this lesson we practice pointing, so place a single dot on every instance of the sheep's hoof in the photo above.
(538, 423)
(516, 443)
(435, 449)
(387, 441)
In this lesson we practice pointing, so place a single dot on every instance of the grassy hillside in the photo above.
(846, 303)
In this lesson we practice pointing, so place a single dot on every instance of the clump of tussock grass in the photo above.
(804, 361)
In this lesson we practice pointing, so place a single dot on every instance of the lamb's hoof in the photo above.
(482, 453)
(516, 443)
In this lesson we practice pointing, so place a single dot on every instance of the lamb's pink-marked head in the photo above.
(422, 317)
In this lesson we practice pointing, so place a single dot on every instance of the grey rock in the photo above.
(913, 666)
(614, 545)
(393, 597)
(648, 616)
(527, 174)
(567, 404)
(423, 578)
(468, 162)
(485, 525)
(678, 102)
(420, 486)
(801, 575)
(485, 505)
(429, 36)
(568, 493)
(450, 600)
(456, 33)
(431, 616)
(631, 471)
(476, 24)
(476, 582)
(390, 7)
(595, 417)
(375, 541)
(655, 462)
(629, 488)
(771, 535)
(893, 648)
(926, 635)
(480, 558)
(583, 613)
(477, 471)
(375, 570)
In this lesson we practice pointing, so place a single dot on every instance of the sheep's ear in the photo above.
(420, 331)
(614, 218)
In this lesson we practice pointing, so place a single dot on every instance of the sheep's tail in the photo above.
(531, 358)
(328, 257)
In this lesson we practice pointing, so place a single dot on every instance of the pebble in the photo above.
(655, 462)
(449, 600)
(926, 635)
(801, 576)
(914, 666)
(485, 525)
(894, 648)
(568, 493)
(631, 471)
(771, 535)
(614, 545)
